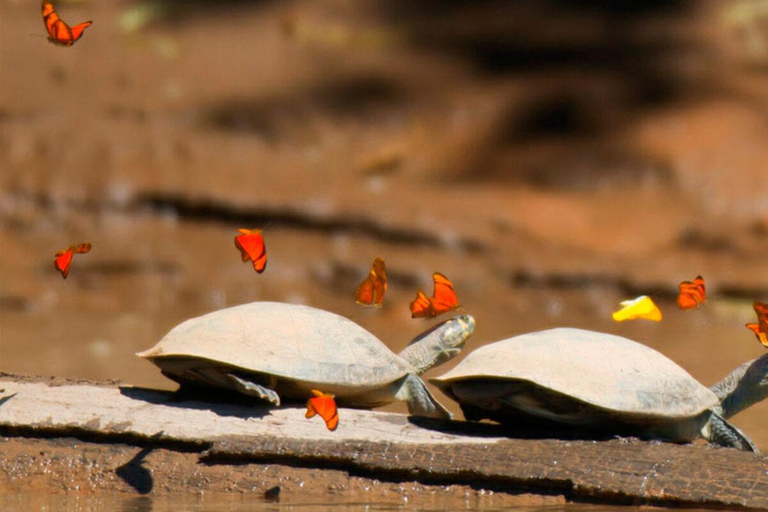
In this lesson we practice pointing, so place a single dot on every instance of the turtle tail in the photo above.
(723, 433)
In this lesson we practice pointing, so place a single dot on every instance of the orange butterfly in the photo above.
(761, 327)
(692, 294)
(58, 31)
(371, 291)
(251, 245)
(443, 299)
(324, 405)
(64, 258)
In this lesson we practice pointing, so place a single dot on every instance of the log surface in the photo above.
(392, 446)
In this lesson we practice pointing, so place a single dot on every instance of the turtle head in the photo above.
(454, 333)
(439, 344)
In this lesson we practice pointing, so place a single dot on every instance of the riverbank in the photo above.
(77, 436)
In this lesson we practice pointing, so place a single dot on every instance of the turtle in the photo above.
(583, 383)
(280, 352)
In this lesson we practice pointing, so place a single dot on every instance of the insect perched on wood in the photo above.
(58, 31)
(641, 307)
(692, 294)
(324, 405)
(761, 327)
(443, 299)
(371, 291)
(64, 257)
(251, 245)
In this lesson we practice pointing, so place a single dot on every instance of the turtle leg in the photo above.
(420, 401)
(723, 433)
(250, 388)
(744, 386)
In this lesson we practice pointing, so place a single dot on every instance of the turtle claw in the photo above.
(249, 388)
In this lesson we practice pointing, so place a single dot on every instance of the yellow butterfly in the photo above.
(641, 307)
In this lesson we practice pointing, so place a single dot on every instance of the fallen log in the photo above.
(388, 446)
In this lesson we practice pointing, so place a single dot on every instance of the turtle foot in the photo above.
(420, 401)
(723, 433)
(249, 388)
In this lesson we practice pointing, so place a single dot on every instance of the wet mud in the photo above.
(66, 465)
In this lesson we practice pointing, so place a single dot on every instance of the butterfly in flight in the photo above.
(443, 299)
(252, 248)
(692, 294)
(761, 327)
(324, 405)
(64, 257)
(58, 31)
(641, 307)
(371, 291)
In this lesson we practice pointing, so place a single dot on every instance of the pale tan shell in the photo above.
(286, 340)
(601, 369)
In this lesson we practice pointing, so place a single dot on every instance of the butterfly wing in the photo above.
(421, 307)
(324, 405)
(81, 248)
(761, 336)
(371, 291)
(250, 242)
(364, 293)
(692, 294)
(77, 30)
(699, 282)
(761, 327)
(63, 261)
(64, 257)
(642, 307)
(379, 270)
(62, 34)
(444, 298)
(47, 8)
(311, 411)
(761, 309)
(50, 18)
(58, 31)
(239, 241)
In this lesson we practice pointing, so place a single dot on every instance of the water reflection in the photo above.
(140, 504)
(243, 503)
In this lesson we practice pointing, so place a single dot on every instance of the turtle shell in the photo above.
(606, 371)
(290, 341)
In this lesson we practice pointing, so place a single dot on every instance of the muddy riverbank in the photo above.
(188, 445)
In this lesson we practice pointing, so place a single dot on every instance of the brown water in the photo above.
(548, 158)
(238, 503)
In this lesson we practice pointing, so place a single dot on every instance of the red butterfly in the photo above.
(761, 327)
(64, 257)
(692, 294)
(443, 299)
(371, 291)
(251, 245)
(324, 405)
(58, 31)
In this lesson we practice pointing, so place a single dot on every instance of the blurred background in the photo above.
(551, 157)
